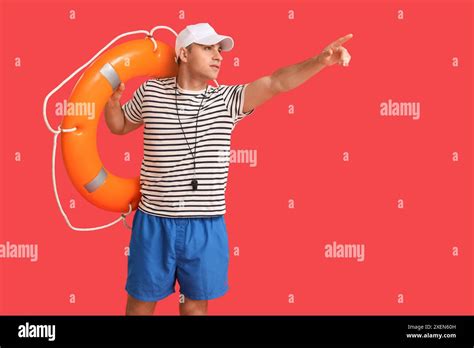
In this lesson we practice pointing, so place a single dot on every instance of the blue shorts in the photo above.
(194, 251)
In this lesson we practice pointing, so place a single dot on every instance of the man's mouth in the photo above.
(215, 66)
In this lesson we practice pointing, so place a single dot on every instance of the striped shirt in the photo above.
(169, 144)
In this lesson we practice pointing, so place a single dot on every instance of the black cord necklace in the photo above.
(194, 182)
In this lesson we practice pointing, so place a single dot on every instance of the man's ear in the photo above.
(183, 54)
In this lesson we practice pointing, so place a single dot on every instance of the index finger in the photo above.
(343, 39)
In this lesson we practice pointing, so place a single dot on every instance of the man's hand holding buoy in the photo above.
(115, 97)
(114, 116)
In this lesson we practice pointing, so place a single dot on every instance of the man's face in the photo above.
(205, 60)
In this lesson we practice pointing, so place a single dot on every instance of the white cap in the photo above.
(204, 34)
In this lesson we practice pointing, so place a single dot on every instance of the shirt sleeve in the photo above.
(234, 101)
(133, 108)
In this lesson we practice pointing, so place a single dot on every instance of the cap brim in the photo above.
(227, 43)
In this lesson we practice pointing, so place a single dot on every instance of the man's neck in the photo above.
(187, 82)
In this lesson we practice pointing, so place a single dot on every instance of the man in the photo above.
(179, 231)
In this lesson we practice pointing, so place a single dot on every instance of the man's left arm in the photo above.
(287, 78)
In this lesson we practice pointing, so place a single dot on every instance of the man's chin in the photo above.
(214, 75)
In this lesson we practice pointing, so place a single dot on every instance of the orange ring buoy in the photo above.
(79, 148)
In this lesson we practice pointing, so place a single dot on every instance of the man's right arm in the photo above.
(114, 116)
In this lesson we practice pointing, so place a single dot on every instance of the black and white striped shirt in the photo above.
(167, 168)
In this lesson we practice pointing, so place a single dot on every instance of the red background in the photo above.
(300, 157)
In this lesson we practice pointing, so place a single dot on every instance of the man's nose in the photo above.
(218, 56)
